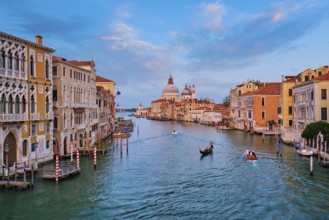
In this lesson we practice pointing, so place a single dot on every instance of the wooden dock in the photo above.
(50, 174)
(15, 184)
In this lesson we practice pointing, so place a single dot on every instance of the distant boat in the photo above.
(174, 132)
(250, 155)
(305, 153)
(207, 150)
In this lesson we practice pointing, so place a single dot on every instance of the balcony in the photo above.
(12, 73)
(49, 116)
(55, 104)
(13, 117)
(35, 116)
(79, 105)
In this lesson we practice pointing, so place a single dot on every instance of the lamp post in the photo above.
(7, 151)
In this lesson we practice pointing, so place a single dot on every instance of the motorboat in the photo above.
(250, 155)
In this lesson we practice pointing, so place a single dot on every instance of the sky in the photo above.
(214, 45)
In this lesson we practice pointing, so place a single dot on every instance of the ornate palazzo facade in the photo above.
(25, 100)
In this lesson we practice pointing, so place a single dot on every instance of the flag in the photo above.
(118, 92)
(118, 104)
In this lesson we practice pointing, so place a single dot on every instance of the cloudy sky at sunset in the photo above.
(212, 44)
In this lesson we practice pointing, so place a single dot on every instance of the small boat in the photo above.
(305, 153)
(120, 135)
(250, 155)
(207, 150)
(174, 132)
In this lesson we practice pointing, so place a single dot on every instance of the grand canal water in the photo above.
(163, 177)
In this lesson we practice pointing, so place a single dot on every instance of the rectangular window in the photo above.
(47, 128)
(71, 74)
(324, 114)
(290, 92)
(47, 145)
(263, 114)
(312, 95)
(71, 137)
(54, 70)
(24, 148)
(290, 122)
(323, 94)
(32, 147)
(239, 114)
(33, 129)
(249, 114)
(290, 110)
(306, 78)
(63, 71)
(263, 101)
(279, 110)
(280, 121)
(320, 73)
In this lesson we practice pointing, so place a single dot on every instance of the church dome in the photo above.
(186, 91)
(170, 88)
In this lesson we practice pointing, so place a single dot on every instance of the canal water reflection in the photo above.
(163, 176)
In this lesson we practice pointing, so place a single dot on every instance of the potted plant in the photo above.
(271, 123)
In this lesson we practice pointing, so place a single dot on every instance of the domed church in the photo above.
(170, 91)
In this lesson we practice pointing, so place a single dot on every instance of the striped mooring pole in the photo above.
(71, 152)
(57, 168)
(95, 157)
(78, 159)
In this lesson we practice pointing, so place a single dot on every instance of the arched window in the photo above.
(10, 60)
(3, 104)
(10, 104)
(2, 59)
(17, 105)
(23, 63)
(32, 66)
(32, 104)
(23, 104)
(64, 122)
(16, 61)
(47, 104)
(47, 69)
(55, 123)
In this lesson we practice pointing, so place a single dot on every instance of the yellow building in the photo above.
(287, 102)
(26, 100)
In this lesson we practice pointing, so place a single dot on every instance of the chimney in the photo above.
(283, 78)
(38, 39)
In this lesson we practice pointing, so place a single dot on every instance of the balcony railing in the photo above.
(49, 116)
(12, 73)
(79, 105)
(13, 117)
(55, 104)
(35, 116)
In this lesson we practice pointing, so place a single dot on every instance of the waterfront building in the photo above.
(291, 129)
(26, 115)
(311, 101)
(105, 102)
(141, 111)
(74, 96)
(108, 96)
(239, 90)
(172, 106)
(255, 109)
(287, 103)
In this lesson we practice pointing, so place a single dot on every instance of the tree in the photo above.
(313, 129)
(271, 123)
(227, 101)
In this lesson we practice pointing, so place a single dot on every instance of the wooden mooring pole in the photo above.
(127, 145)
(311, 165)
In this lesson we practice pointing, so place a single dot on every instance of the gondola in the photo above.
(207, 150)
(250, 155)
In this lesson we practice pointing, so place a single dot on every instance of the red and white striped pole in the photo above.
(95, 157)
(78, 159)
(57, 167)
(71, 151)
